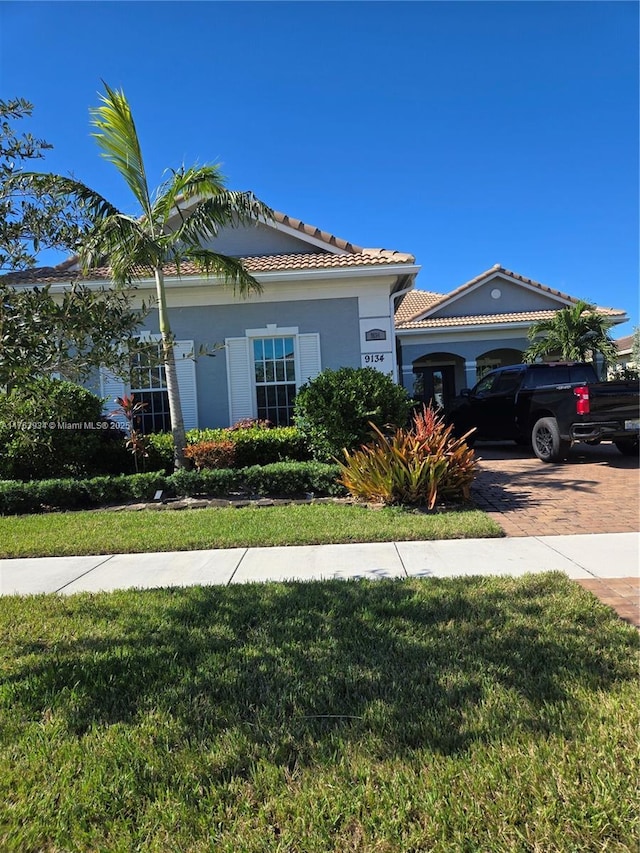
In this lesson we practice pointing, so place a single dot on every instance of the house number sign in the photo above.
(375, 335)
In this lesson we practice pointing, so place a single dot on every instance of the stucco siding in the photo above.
(513, 298)
(335, 320)
(251, 240)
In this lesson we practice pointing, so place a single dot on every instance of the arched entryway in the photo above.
(496, 358)
(436, 378)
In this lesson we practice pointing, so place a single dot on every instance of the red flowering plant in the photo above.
(131, 412)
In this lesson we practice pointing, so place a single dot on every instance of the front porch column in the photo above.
(470, 368)
(406, 378)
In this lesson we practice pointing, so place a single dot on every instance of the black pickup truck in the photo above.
(550, 406)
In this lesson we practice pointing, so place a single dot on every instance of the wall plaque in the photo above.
(375, 335)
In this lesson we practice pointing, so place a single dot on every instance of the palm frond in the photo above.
(118, 139)
(184, 185)
(575, 333)
(94, 205)
(123, 243)
(230, 270)
(228, 209)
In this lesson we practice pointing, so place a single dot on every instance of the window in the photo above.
(275, 378)
(148, 385)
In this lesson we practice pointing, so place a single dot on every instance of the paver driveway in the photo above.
(597, 490)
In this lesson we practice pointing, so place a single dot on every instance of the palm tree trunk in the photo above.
(171, 376)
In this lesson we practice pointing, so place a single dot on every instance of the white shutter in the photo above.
(186, 372)
(239, 382)
(308, 357)
(112, 386)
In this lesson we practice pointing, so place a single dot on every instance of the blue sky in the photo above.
(468, 134)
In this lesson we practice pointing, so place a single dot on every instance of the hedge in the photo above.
(281, 479)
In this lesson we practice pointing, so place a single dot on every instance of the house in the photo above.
(325, 303)
(625, 361)
(447, 341)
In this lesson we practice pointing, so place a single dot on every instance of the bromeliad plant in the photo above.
(418, 466)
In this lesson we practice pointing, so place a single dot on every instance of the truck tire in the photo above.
(628, 447)
(546, 442)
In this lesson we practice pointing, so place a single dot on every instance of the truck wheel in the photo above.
(628, 447)
(546, 441)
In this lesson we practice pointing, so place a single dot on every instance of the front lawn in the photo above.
(99, 532)
(422, 715)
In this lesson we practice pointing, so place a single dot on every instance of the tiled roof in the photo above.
(312, 231)
(257, 264)
(491, 319)
(414, 303)
(624, 345)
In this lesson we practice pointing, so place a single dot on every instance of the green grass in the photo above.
(390, 717)
(65, 534)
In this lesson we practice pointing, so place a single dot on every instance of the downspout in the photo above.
(392, 311)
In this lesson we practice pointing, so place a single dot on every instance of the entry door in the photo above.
(438, 384)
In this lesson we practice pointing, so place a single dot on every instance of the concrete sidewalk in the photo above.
(580, 557)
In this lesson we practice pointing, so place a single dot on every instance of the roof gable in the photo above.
(499, 291)
(496, 297)
(282, 244)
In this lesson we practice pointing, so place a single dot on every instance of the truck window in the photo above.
(485, 385)
(508, 382)
(582, 373)
(539, 377)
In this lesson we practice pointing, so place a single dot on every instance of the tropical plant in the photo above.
(336, 409)
(187, 210)
(575, 333)
(211, 454)
(417, 466)
(135, 441)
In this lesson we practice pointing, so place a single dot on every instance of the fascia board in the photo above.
(457, 330)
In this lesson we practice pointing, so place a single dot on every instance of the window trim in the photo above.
(271, 332)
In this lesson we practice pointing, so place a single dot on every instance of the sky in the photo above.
(465, 133)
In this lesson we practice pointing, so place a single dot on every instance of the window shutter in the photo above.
(308, 357)
(112, 386)
(239, 379)
(183, 352)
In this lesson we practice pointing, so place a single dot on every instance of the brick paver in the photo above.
(597, 490)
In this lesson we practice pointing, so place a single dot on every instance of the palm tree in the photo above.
(574, 333)
(186, 210)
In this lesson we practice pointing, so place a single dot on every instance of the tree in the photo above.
(29, 222)
(41, 335)
(576, 333)
(186, 210)
(71, 335)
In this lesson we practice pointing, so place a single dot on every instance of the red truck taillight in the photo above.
(582, 402)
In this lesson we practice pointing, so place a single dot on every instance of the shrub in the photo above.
(211, 454)
(416, 466)
(260, 446)
(19, 497)
(337, 408)
(46, 431)
(293, 478)
(214, 482)
(160, 450)
(255, 444)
